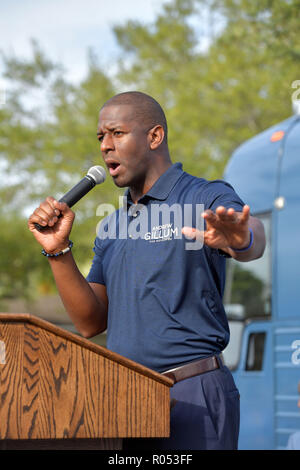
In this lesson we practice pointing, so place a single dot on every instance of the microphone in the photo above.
(95, 175)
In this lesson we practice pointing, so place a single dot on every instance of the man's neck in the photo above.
(152, 176)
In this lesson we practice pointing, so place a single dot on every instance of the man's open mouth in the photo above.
(113, 167)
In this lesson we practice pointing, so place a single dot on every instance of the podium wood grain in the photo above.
(57, 385)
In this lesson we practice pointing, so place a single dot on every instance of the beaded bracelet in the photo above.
(63, 252)
(247, 247)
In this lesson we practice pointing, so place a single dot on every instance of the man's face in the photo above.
(124, 145)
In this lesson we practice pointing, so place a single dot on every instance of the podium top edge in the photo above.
(51, 327)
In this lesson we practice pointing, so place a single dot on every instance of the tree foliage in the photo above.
(221, 94)
(222, 70)
(47, 143)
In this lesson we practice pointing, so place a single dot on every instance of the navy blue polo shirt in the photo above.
(165, 295)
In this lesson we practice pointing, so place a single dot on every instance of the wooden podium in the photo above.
(61, 391)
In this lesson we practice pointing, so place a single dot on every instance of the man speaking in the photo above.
(160, 302)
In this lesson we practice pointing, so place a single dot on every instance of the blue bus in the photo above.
(262, 297)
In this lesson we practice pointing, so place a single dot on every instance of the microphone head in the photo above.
(97, 173)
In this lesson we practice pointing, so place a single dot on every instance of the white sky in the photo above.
(65, 29)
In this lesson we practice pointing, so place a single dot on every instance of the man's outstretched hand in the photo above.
(228, 230)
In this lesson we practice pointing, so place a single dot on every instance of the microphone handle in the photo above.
(73, 196)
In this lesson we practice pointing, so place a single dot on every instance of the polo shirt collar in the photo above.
(163, 186)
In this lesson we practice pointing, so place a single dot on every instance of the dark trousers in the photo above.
(205, 416)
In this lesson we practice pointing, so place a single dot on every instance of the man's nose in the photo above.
(107, 143)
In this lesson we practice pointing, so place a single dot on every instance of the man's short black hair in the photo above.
(146, 109)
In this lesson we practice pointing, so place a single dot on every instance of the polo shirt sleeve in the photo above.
(220, 193)
(96, 271)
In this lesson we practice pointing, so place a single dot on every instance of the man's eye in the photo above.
(117, 133)
(100, 138)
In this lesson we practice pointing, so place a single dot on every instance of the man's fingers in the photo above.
(37, 218)
(48, 212)
(62, 207)
(189, 232)
(47, 208)
(209, 216)
(245, 214)
(53, 204)
(192, 233)
(227, 215)
(43, 217)
(58, 207)
(222, 215)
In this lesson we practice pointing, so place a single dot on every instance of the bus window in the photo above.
(248, 285)
(247, 294)
(255, 351)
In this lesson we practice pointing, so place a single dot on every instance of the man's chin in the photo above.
(119, 182)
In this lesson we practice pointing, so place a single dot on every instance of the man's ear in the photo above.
(156, 136)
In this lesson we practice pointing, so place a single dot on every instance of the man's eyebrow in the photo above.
(112, 128)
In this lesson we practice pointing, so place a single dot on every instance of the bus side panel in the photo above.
(256, 391)
(287, 376)
(286, 243)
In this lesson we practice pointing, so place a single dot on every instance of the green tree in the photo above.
(217, 96)
(47, 144)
